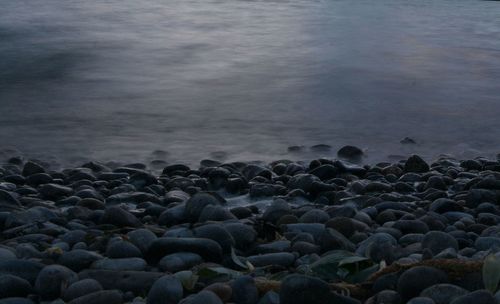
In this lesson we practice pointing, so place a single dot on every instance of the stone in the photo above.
(276, 210)
(443, 293)
(416, 164)
(166, 290)
(53, 280)
(284, 259)
(437, 241)
(478, 297)
(203, 297)
(196, 204)
(208, 249)
(350, 153)
(133, 263)
(244, 291)
(81, 288)
(179, 261)
(119, 217)
(24, 269)
(141, 238)
(78, 259)
(122, 249)
(414, 280)
(100, 297)
(12, 286)
(138, 282)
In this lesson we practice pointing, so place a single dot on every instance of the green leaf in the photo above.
(240, 261)
(209, 273)
(341, 265)
(188, 279)
(491, 272)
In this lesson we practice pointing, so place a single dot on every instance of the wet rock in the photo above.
(141, 238)
(478, 296)
(416, 164)
(443, 293)
(166, 290)
(31, 168)
(100, 297)
(179, 261)
(276, 210)
(53, 280)
(120, 218)
(81, 288)
(139, 282)
(78, 259)
(133, 263)
(414, 280)
(244, 291)
(24, 269)
(12, 286)
(283, 259)
(203, 297)
(350, 153)
(437, 241)
(122, 249)
(196, 204)
(208, 249)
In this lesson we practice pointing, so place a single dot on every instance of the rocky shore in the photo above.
(325, 231)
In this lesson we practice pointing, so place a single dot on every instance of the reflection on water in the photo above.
(120, 79)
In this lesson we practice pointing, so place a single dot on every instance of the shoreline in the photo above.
(326, 231)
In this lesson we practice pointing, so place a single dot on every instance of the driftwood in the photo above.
(455, 269)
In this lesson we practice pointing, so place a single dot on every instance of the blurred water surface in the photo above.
(119, 79)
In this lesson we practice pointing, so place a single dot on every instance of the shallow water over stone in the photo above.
(247, 79)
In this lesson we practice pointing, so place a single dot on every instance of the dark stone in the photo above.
(443, 293)
(179, 261)
(120, 217)
(122, 249)
(416, 164)
(300, 289)
(196, 204)
(477, 297)
(31, 168)
(53, 280)
(414, 280)
(81, 288)
(208, 249)
(203, 297)
(141, 238)
(166, 290)
(139, 282)
(100, 297)
(12, 286)
(437, 241)
(284, 259)
(244, 291)
(350, 153)
(24, 269)
(78, 259)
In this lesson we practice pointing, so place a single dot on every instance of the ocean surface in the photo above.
(244, 80)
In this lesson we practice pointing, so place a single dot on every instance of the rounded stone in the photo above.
(166, 290)
(12, 286)
(437, 241)
(53, 280)
(443, 293)
(100, 297)
(81, 288)
(301, 289)
(244, 291)
(414, 280)
(179, 261)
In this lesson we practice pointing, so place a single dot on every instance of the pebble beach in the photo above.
(288, 232)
